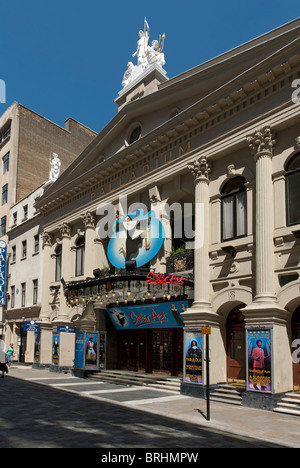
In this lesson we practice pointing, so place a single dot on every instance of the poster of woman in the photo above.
(259, 360)
(193, 357)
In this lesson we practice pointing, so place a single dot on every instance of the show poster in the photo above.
(79, 350)
(102, 350)
(259, 360)
(193, 357)
(37, 346)
(91, 350)
(55, 349)
(164, 315)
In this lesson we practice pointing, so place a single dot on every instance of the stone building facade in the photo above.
(224, 139)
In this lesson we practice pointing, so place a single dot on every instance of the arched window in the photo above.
(80, 247)
(293, 190)
(234, 209)
(58, 253)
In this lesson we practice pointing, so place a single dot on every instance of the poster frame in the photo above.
(260, 328)
(196, 331)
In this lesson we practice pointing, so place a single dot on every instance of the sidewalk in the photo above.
(270, 427)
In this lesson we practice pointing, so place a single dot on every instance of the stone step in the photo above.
(228, 394)
(148, 380)
(289, 404)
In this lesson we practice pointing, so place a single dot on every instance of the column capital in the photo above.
(262, 142)
(88, 220)
(200, 169)
(47, 239)
(65, 230)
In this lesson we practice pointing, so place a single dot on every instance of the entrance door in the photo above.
(167, 351)
(133, 350)
(236, 346)
(162, 350)
(296, 336)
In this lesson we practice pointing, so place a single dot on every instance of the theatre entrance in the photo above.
(236, 347)
(296, 336)
(151, 351)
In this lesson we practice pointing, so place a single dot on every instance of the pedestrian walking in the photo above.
(3, 365)
(9, 355)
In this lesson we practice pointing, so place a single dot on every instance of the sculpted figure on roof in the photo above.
(146, 55)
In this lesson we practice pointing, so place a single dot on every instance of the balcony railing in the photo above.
(181, 262)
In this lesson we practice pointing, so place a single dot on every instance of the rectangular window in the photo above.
(36, 244)
(234, 216)
(15, 218)
(4, 194)
(293, 198)
(24, 249)
(25, 212)
(3, 226)
(13, 253)
(5, 160)
(35, 291)
(12, 297)
(23, 294)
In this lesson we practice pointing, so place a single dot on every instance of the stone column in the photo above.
(201, 313)
(66, 271)
(265, 311)
(262, 146)
(201, 171)
(45, 301)
(89, 255)
(46, 326)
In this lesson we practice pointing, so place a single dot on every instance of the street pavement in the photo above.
(43, 409)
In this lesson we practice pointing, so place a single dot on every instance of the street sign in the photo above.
(206, 330)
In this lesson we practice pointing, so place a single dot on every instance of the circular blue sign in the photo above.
(137, 236)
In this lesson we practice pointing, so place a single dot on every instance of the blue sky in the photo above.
(67, 58)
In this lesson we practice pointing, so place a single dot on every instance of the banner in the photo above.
(259, 360)
(162, 315)
(193, 357)
(55, 349)
(3, 259)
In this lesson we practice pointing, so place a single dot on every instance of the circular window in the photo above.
(135, 135)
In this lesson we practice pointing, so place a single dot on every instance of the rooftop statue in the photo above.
(146, 55)
(55, 167)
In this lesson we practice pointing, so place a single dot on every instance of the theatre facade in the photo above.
(183, 213)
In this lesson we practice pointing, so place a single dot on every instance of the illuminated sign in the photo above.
(152, 278)
(165, 315)
(137, 236)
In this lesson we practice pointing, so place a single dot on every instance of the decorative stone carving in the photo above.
(201, 169)
(262, 141)
(297, 143)
(231, 170)
(47, 239)
(65, 230)
(88, 220)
